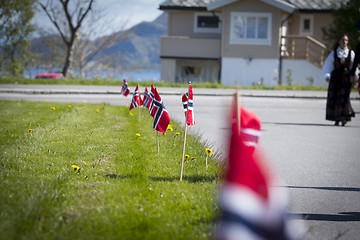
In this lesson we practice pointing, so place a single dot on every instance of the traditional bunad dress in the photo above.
(337, 68)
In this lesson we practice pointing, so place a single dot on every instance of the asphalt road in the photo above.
(319, 162)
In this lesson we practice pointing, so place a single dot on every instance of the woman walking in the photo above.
(336, 71)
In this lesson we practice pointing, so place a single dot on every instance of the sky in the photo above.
(126, 13)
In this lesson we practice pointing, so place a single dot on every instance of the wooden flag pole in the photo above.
(186, 126)
(139, 110)
(238, 110)
(157, 139)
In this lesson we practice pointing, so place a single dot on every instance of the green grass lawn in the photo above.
(123, 189)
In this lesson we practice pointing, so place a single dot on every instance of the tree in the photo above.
(15, 31)
(344, 21)
(87, 48)
(67, 18)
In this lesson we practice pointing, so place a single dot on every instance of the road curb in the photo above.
(112, 92)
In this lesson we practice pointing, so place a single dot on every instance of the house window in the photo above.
(207, 23)
(192, 71)
(250, 28)
(306, 25)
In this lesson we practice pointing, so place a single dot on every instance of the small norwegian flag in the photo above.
(146, 99)
(252, 208)
(161, 116)
(135, 102)
(125, 89)
(151, 100)
(188, 104)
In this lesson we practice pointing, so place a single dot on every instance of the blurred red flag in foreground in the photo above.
(252, 208)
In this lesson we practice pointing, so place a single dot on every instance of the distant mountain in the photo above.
(135, 48)
(139, 47)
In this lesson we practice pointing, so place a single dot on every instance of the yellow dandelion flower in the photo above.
(131, 114)
(47, 101)
(187, 156)
(62, 128)
(138, 134)
(38, 124)
(76, 168)
(52, 108)
(77, 109)
(69, 106)
(84, 107)
(84, 101)
(97, 110)
(30, 129)
(102, 104)
(209, 151)
(169, 127)
(177, 133)
(164, 133)
(30, 112)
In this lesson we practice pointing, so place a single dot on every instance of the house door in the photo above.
(191, 73)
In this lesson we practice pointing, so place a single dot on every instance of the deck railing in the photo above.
(303, 47)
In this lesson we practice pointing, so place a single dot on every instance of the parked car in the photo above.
(49, 75)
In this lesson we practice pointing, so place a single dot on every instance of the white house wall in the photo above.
(301, 71)
(247, 72)
(168, 68)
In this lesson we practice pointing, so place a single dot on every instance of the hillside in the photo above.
(141, 45)
(135, 48)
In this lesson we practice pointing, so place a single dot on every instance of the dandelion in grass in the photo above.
(30, 129)
(69, 106)
(138, 134)
(77, 109)
(38, 124)
(30, 112)
(84, 107)
(84, 101)
(187, 157)
(97, 110)
(208, 152)
(164, 133)
(76, 168)
(47, 101)
(52, 108)
(170, 128)
(62, 128)
(131, 114)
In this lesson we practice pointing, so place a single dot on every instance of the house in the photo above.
(245, 42)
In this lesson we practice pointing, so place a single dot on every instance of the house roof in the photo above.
(286, 5)
(199, 5)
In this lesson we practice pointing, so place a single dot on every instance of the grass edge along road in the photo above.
(91, 171)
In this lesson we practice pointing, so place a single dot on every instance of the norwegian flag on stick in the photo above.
(252, 208)
(160, 114)
(189, 120)
(146, 99)
(188, 104)
(150, 105)
(125, 89)
(135, 102)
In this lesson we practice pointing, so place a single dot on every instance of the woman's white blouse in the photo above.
(329, 62)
